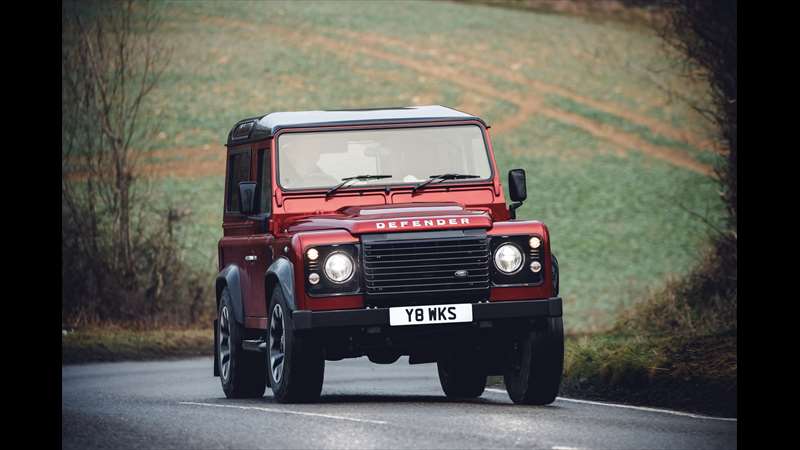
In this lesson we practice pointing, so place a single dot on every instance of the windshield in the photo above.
(410, 155)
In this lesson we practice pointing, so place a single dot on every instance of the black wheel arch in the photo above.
(230, 277)
(280, 274)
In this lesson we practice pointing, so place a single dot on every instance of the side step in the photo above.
(255, 345)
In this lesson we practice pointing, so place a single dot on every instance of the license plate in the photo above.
(422, 315)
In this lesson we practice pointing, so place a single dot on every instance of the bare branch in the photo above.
(110, 65)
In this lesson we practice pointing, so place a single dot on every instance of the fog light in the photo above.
(536, 266)
(312, 255)
(313, 278)
(535, 242)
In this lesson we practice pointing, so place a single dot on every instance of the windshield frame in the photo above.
(385, 186)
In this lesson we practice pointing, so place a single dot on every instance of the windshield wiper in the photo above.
(346, 181)
(442, 177)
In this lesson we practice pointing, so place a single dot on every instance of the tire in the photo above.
(534, 375)
(296, 368)
(554, 261)
(243, 374)
(461, 375)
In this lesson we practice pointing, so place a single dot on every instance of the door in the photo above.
(237, 229)
(259, 255)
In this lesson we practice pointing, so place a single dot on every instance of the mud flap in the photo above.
(216, 355)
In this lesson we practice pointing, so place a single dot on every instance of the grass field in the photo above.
(112, 343)
(619, 165)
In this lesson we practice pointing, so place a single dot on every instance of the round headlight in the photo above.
(535, 242)
(339, 267)
(312, 254)
(508, 259)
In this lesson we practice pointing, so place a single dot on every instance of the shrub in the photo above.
(121, 260)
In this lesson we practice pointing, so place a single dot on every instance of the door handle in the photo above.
(250, 258)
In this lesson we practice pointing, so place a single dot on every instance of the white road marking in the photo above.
(638, 408)
(284, 411)
(559, 447)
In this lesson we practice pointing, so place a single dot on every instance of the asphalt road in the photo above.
(178, 404)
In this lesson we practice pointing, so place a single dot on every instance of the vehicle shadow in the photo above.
(341, 399)
(391, 398)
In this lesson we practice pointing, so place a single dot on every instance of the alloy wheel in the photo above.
(224, 342)
(277, 338)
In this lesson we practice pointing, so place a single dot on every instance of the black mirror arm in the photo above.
(512, 209)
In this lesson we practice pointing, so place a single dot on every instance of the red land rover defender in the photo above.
(381, 232)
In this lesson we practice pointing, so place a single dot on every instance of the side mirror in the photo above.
(516, 185)
(247, 195)
(517, 189)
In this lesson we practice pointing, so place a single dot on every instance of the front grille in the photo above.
(420, 268)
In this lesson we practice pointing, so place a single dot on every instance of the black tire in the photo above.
(300, 378)
(554, 261)
(461, 375)
(534, 375)
(246, 373)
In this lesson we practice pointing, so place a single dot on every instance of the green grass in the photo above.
(618, 225)
(202, 228)
(641, 131)
(689, 373)
(111, 343)
(618, 220)
(221, 72)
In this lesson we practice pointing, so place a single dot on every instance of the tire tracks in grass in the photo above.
(536, 85)
(527, 104)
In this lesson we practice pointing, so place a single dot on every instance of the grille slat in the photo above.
(378, 251)
(447, 280)
(427, 267)
(450, 266)
(476, 252)
(440, 299)
(429, 286)
(447, 273)
(389, 262)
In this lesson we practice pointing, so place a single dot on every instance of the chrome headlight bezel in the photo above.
(519, 256)
(343, 256)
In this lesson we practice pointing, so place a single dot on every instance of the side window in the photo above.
(265, 185)
(238, 170)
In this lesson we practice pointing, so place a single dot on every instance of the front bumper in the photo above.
(517, 309)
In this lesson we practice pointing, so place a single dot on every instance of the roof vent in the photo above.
(243, 130)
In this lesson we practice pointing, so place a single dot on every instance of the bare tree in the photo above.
(111, 62)
(705, 31)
